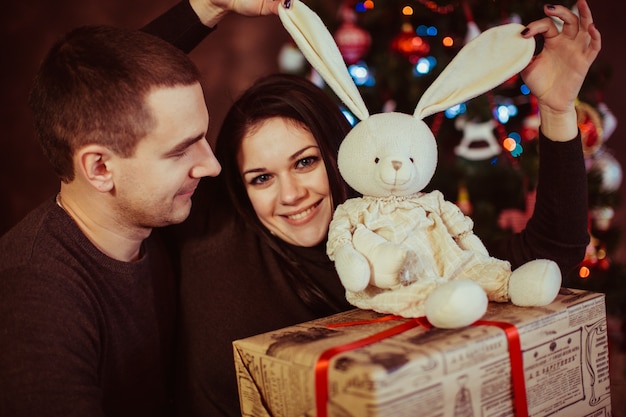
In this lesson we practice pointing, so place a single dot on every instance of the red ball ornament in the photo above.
(590, 125)
(352, 41)
(409, 44)
(530, 125)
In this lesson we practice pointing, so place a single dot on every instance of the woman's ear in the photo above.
(93, 163)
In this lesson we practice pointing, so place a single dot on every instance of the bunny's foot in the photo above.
(536, 283)
(455, 304)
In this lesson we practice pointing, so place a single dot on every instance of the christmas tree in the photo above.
(488, 156)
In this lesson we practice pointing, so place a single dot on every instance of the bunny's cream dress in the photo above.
(430, 228)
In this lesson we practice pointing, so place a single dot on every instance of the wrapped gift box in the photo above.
(361, 364)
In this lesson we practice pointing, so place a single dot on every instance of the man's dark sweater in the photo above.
(82, 334)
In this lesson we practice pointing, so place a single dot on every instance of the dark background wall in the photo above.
(241, 50)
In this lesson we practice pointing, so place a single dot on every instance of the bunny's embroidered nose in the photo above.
(396, 165)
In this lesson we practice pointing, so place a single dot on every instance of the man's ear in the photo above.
(93, 163)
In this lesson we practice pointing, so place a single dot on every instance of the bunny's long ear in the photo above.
(318, 46)
(482, 64)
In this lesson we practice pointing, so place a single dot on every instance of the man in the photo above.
(87, 292)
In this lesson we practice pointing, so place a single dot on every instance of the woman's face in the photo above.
(285, 177)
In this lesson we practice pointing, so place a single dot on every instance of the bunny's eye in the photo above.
(376, 160)
(412, 161)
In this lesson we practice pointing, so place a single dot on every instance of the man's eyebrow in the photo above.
(184, 145)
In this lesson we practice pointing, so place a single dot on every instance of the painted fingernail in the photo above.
(287, 4)
(525, 31)
(550, 6)
(539, 40)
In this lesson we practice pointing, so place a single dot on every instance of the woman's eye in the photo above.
(307, 162)
(261, 179)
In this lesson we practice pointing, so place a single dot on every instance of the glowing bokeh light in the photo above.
(454, 111)
(584, 272)
(424, 66)
(361, 74)
(524, 89)
(516, 136)
(423, 30)
(509, 144)
(502, 114)
(447, 42)
(349, 116)
(407, 11)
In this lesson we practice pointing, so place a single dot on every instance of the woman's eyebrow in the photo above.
(301, 151)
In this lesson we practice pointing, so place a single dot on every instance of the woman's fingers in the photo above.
(570, 20)
(545, 27)
(586, 19)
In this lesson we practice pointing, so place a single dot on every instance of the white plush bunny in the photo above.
(398, 250)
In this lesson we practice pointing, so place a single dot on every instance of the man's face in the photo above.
(155, 185)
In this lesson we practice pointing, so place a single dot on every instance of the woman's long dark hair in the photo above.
(295, 98)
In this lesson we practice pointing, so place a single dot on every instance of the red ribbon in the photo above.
(520, 403)
(515, 356)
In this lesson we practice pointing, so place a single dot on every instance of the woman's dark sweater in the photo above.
(233, 285)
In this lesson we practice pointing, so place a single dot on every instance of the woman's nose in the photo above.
(291, 190)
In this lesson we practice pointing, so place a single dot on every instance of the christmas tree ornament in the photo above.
(591, 258)
(472, 28)
(590, 125)
(352, 41)
(463, 201)
(532, 121)
(596, 257)
(409, 44)
(609, 121)
(514, 219)
(609, 170)
(602, 217)
(290, 59)
(478, 141)
(435, 8)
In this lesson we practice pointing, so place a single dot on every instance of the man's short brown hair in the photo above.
(91, 89)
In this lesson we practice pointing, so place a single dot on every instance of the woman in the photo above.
(245, 273)
(246, 267)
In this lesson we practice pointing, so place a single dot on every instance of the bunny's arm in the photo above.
(352, 267)
(340, 230)
(460, 226)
